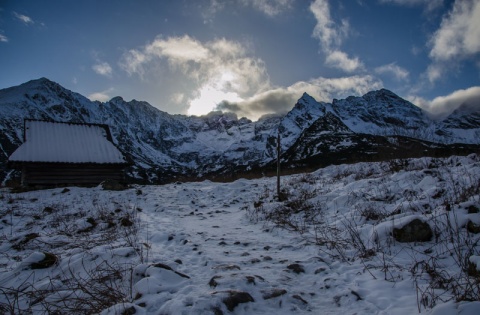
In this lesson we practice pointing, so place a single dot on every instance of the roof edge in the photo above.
(104, 126)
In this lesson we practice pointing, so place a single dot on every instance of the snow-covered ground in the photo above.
(220, 248)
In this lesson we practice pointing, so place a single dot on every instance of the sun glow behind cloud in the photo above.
(210, 95)
(221, 70)
(208, 99)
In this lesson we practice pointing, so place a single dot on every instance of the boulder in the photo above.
(273, 293)
(41, 260)
(297, 268)
(414, 231)
(234, 297)
(472, 227)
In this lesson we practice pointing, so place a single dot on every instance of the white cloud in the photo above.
(325, 30)
(434, 72)
(416, 50)
(331, 36)
(210, 10)
(133, 62)
(182, 53)
(178, 49)
(177, 98)
(444, 105)
(23, 18)
(103, 68)
(398, 73)
(3, 38)
(457, 39)
(102, 96)
(339, 59)
(459, 32)
(269, 7)
(429, 4)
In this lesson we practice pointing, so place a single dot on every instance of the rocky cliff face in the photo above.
(166, 147)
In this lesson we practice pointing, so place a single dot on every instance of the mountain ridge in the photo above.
(166, 147)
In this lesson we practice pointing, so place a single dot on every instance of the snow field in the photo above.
(194, 248)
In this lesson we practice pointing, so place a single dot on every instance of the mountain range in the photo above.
(163, 147)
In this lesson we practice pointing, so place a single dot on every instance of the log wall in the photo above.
(54, 174)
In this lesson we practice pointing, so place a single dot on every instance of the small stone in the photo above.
(297, 268)
(110, 184)
(473, 228)
(359, 298)
(473, 209)
(166, 267)
(213, 282)
(48, 209)
(125, 221)
(129, 311)
(320, 270)
(236, 297)
(250, 279)
(48, 261)
(273, 293)
(298, 297)
(226, 267)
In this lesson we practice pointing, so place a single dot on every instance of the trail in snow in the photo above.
(202, 230)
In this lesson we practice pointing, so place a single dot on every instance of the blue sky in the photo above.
(251, 57)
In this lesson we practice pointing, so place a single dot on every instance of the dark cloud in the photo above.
(468, 99)
(278, 101)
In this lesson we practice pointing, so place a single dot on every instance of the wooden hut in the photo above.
(58, 154)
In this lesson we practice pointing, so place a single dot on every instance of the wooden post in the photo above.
(278, 167)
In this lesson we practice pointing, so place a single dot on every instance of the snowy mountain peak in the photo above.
(220, 116)
(330, 123)
(44, 80)
(306, 111)
(381, 112)
(306, 99)
(163, 146)
(117, 99)
(44, 84)
(468, 108)
(39, 82)
(380, 94)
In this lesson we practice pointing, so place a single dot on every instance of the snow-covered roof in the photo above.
(55, 142)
